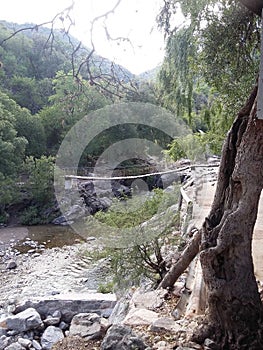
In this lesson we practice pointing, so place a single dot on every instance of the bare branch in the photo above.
(115, 82)
(59, 15)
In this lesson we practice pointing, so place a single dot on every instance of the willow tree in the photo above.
(227, 57)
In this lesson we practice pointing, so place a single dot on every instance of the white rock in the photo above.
(15, 346)
(24, 321)
(36, 345)
(26, 343)
(50, 337)
(165, 324)
(140, 317)
(88, 326)
(149, 300)
(3, 342)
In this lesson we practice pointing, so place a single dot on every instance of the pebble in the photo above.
(63, 326)
(11, 265)
(24, 342)
(52, 321)
(36, 345)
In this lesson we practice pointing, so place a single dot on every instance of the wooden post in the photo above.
(260, 79)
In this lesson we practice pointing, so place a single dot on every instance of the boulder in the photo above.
(140, 317)
(163, 345)
(36, 345)
(61, 220)
(119, 312)
(24, 321)
(3, 342)
(51, 336)
(51, 321)
(11, 265)
(89, 326)
(2, 331)
(15, 346)
(150, 300)
(122, 338)
(165, 324)
(63, 326)
(71, 304)
(75, 212)
(26, 343)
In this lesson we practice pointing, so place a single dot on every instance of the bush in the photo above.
(137, 210)
(139, 257)
(106, 288)
(30, 216)
(40, 184)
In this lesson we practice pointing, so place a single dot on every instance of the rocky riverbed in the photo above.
(43, 271)
(36, 286)
(40, 273)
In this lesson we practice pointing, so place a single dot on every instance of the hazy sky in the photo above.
(132, 19)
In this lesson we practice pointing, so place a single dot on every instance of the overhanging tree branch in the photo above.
(111, 80)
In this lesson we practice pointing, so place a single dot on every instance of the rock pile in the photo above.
(88, 198)
(39, 324)
(137, 323)
(9, 252)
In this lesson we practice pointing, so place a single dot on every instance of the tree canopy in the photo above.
(211, 62)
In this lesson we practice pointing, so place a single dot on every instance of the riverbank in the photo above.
(54, 271)
(68, 270)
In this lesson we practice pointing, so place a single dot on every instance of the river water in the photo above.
(49, 235)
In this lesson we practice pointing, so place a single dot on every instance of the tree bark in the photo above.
(234, 306)
(253, 5)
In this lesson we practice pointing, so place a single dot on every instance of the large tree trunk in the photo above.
(234, 306)
(253, 5)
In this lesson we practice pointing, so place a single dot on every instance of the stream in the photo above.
(50, 236)
(49, 260)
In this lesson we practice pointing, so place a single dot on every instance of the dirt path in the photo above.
(257, 244)
(201, 209)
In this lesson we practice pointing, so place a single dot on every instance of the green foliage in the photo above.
(217, 47)
(98, 254)
(139, 262)
(230, 55)
(139, 258)
(12, 147)
(30, 54)
(106, 288)
(39, 189)
(137, 210)
(191, 147)
(176, 74)
(32, 129)
(9, 194)
(30, 93)
(40, 182)
(30, 216)
(71, 100)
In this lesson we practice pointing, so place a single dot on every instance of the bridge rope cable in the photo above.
(178, 170)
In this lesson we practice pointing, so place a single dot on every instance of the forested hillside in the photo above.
(48, 82)
(209, 85)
